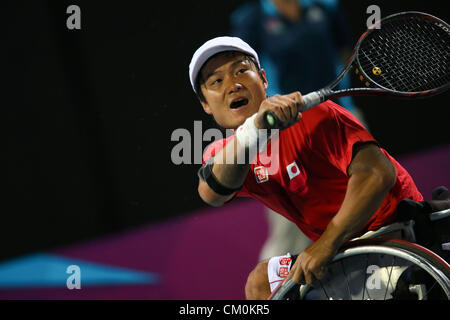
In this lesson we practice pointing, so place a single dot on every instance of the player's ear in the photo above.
(206, 107)
(264, 78)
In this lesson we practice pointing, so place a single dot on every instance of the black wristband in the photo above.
(205, 173)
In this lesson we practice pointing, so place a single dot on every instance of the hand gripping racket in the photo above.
(405, 55)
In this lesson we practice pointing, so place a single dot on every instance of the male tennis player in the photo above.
(333, 180)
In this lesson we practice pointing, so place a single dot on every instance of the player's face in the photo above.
(233, 89)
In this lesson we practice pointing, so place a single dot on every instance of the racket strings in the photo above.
(410, 54)
(413, 62)
(417, 59)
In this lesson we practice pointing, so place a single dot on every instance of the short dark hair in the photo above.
(199, 81)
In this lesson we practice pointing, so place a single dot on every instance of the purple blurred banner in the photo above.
(206, 254)
(429, 169)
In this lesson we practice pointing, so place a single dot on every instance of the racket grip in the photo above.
(311, 100)
(271, 120)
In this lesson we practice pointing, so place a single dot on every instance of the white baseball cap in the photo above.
(214, 46)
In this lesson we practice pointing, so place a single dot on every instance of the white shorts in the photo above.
(278, 269)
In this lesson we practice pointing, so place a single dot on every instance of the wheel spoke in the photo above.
(428, 291)
(365, 278)
(346, 279)
(389, 279)
(324, 291)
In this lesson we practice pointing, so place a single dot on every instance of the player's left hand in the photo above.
(310, 264)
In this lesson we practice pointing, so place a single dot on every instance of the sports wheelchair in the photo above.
(407, 260)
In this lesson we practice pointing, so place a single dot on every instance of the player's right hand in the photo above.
(285, 107)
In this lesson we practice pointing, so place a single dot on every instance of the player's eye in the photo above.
(216, 81)
(242, 70)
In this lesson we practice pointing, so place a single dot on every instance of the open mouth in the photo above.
(239, 103)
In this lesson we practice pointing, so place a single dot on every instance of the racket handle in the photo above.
(311, 100)
(308, 101)
(271, 120)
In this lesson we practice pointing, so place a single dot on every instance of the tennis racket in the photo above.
(405, 55)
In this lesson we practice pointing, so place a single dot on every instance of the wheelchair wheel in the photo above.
(377, 269)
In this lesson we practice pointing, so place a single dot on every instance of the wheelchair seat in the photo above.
(431, 221)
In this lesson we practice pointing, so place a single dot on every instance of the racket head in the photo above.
(406, 55)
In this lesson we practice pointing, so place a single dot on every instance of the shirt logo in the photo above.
(261, 174)
(285, 261)
(283, 272)
(293, 170)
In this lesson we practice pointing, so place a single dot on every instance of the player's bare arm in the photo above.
(372, 175)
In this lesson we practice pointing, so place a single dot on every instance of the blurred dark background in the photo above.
(89, 114)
